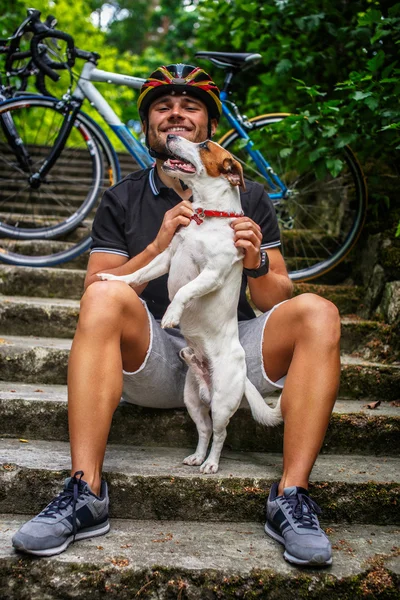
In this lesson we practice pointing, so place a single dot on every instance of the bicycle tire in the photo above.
(14, 246)
(313, 243)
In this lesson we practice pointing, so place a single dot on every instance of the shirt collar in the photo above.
(156, 184)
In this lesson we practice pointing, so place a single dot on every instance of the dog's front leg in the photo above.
(157, 267)
(209, 280)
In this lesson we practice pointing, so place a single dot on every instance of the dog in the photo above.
(205, 272)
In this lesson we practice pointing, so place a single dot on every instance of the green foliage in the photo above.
(335, 64)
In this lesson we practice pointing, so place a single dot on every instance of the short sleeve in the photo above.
(108, 231)
(262, 211)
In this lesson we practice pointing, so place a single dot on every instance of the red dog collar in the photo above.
(200, 213)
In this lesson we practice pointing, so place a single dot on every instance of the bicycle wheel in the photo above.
(32, 217)
(320, 215)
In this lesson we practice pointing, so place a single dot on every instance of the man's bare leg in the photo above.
(112, 333)
(302, 339)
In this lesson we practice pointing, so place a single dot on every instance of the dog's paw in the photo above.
(106, 276)
(171, 317)
(193, 460)
(208, 467)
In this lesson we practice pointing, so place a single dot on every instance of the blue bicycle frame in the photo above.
(262, 165)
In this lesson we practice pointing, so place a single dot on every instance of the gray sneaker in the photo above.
(292, 520)
(75, 514)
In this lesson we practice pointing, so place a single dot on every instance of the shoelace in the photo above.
(63, 500)
(304, 510)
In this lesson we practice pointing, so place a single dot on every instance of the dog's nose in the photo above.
(171, 137)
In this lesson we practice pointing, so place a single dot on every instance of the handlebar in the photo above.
(38, 50)
(54, 34)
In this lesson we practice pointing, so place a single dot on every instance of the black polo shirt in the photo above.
(130, 215)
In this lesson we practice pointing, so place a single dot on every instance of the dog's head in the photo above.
(201, 161)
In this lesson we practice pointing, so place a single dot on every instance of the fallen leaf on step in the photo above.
(24, 441)
(395, 403)
(41, 391)
(3, 341)
(373, 405)
(120, 562)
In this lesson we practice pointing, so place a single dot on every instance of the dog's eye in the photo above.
(204, 145)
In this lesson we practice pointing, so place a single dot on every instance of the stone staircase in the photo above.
(176, 533)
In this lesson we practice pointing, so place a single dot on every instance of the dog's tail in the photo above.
(259, 408)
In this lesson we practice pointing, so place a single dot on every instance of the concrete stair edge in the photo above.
(156, 559)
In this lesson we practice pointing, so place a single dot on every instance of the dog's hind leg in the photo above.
(228, 388)
(200, 372)
(200, 414)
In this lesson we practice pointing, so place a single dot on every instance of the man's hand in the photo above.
(248, 236)
(175, 217)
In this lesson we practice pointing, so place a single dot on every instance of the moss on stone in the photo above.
(48, 580)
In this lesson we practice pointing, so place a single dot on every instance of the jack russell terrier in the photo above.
(205, 271)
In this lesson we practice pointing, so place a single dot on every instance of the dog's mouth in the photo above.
(177, 164)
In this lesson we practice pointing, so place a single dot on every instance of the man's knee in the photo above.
(108, 303)
(319, 316)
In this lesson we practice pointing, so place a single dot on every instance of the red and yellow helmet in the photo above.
(180, 78)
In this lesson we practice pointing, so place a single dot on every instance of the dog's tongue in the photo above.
(180, 164)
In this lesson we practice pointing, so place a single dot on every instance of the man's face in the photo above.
(178, 115)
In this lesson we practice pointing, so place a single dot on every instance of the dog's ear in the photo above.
(232, 169)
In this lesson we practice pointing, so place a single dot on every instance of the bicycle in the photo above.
(320, 218)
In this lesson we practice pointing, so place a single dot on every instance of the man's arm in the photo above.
(274, 287)
(104, 262)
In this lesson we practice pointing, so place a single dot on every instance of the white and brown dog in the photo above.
(205, 271)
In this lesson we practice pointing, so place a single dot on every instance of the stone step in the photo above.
(61, 283)
(32, 412)
(182, 560)
(41, 282)
(21, 315)
(28, 359)
(153, 483)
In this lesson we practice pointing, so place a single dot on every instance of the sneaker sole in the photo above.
(315, 561)
(82, 535)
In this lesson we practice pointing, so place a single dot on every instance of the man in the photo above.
(120, 350)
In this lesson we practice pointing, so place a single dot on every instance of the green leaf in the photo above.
(361, 95)
(377, 61)
(334, 166)
(283, 66)
(238, 22)
(329, 131)
(372, 103)
(285, 152)
(345, 140)
(369, 18)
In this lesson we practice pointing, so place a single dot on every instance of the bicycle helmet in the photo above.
(179, 78)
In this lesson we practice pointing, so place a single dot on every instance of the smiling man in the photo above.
(120, 350)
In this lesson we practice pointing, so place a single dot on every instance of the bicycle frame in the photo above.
(86, 89)
(264, 167)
